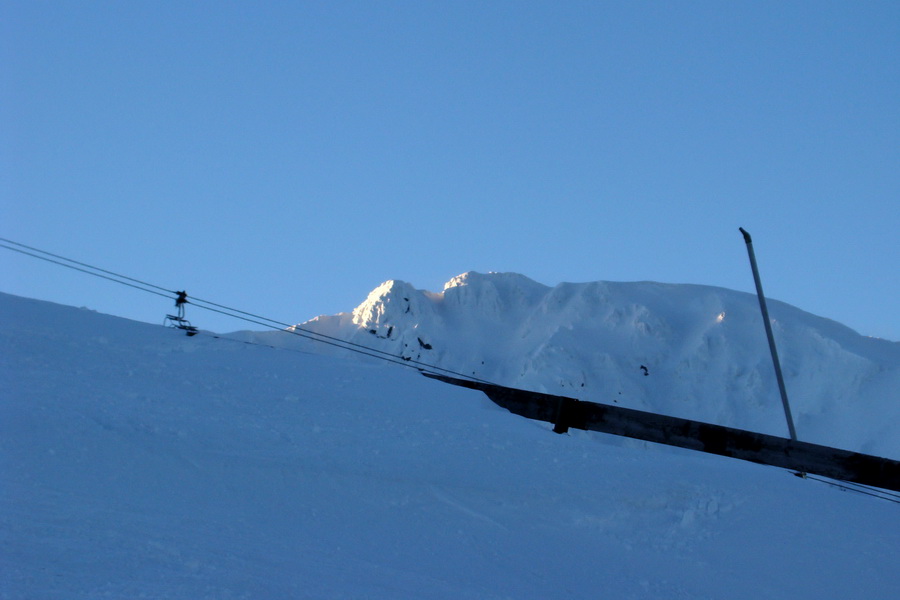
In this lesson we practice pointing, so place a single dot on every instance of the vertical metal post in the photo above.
(765, 316)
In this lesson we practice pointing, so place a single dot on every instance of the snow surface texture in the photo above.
(690, 351)
(136, 462)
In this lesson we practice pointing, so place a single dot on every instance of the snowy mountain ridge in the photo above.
(692, 351)
(137, 462)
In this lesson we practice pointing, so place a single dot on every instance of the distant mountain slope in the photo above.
(687, 350)
(137, 462)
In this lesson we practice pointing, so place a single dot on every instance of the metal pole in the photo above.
(765, 316)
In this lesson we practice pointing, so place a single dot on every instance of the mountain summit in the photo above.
(138, 462)
(692, 351)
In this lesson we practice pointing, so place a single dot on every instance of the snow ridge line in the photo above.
(229, 311)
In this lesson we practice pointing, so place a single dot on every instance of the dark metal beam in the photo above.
(802, 457)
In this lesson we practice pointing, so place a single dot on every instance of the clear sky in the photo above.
(285, 158)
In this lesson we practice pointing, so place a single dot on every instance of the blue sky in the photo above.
(287, 157)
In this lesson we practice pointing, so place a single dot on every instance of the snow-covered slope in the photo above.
(692, 351)
(136, 462)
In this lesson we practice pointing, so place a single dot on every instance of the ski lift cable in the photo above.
(198, 302)
(849, 486)
(321, 337)
(95, 274)
(119, 278)
(91, 267)
(228, 311)
(272, 347)
(338, 343)
(867, 489)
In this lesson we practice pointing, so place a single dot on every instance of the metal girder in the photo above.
(802, 457)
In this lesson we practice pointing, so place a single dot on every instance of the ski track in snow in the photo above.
(138, 463)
